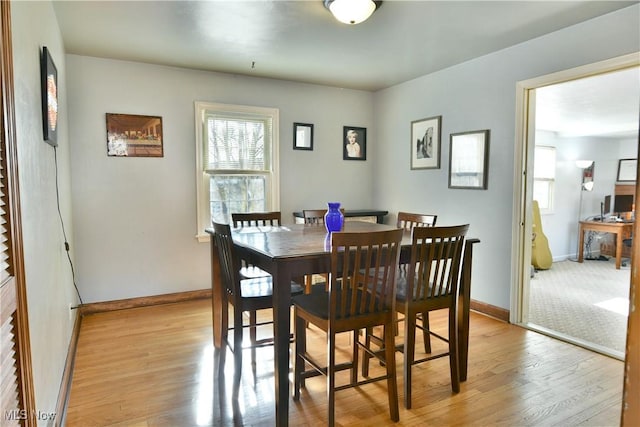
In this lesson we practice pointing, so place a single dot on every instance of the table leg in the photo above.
(580, 253)
(464, 305)
(282, 320)
(618, 248)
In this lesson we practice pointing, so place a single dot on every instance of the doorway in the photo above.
(566, 205)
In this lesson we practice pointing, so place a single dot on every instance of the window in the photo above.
(544, 176)
(237, 156)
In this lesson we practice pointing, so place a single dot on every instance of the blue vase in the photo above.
(333, 219)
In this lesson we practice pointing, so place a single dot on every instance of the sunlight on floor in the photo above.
(204, 401)
(616, 305)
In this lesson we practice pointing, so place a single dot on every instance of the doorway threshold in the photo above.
(575, 341)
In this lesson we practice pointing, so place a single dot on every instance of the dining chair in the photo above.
(254, 219)
(315, 216)
(407, 221)
(354, 300)
(430, 283)
(245, 295)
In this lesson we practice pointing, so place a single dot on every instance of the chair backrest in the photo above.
(256, 219)
(229, 262)
(436, 257)
(408, 220)
(315, 216)
(363, 270)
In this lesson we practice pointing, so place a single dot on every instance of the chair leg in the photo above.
(300, 333)
(409, 354)
(354, 358)
(237, 349)
(453, 350)
(224, 330)
(331, 377)
(425, 332)
(253, 335)
(365, 356)
(390, 362)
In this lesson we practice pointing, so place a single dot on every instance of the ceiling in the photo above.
(301, 41)
(607, 105)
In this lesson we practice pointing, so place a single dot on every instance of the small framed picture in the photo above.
(354, 146)
(303, 136)
(425, 143)
(627, 169)
(49, 83)
(469, 160)
(130, 135)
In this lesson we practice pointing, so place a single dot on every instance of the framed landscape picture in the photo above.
(425, 143)
(469, 160)
(130, 135)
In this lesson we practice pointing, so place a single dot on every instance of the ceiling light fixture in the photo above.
(352, 11)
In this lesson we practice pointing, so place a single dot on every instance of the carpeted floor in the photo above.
(588, 301)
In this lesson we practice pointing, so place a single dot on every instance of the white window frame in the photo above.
(549, 181)
(203, 204)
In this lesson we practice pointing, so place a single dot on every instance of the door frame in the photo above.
(523, 171)
(26, 397)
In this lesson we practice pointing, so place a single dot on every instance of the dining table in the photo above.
(292, 251)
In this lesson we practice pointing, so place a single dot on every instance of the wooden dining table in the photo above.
(293, 251)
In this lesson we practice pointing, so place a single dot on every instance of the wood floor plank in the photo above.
(153, 366)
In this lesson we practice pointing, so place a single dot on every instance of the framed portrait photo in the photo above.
(425, 143)
(354, 143)
(49, 83)
(469, 160)
(303, 136)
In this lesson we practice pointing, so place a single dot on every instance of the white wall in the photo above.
(48, 275)
(135, 218)
(480, 94)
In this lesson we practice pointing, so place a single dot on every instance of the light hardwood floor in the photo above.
(154, 367)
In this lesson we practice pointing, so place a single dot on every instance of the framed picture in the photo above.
(627, 169)
(303, 136)
(469, 160)
(130, 135)
(425, 143)
(49, 84)
(354, 146)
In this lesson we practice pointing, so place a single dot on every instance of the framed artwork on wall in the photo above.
(303, 136)
(354, 145)
(130, 135)
(49, 84)
(627, 170)
(425, 143)
(469, 160)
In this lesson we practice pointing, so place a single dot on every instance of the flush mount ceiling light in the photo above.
(351, 11)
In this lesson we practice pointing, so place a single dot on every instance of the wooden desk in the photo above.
(355, 213)
(617, 228)
(297, 250)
